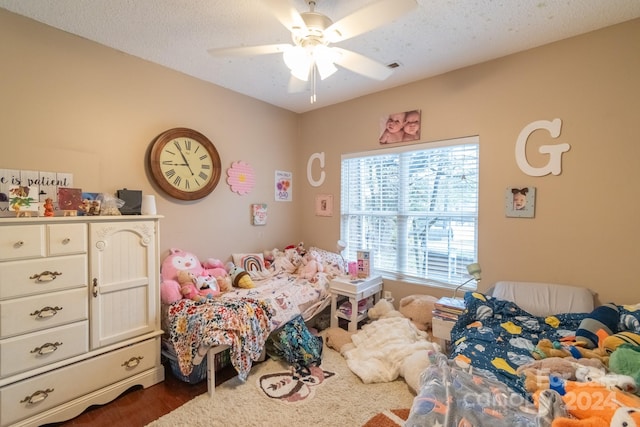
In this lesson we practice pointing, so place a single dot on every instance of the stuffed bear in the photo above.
(189, 288)
(383, 309)
(311, 265)
(179, 260)
(418, 309)
(338, 339)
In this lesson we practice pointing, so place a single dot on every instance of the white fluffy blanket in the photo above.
(379, 348)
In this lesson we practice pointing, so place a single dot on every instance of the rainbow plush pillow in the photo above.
(249, 261)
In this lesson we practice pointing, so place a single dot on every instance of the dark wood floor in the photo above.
(138, 406)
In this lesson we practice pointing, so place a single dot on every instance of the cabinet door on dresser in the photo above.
(124, 280)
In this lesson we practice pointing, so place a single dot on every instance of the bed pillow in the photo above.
(249, 261)
(545, 299)
(327, 257)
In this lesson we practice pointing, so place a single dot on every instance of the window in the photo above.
(415, 207)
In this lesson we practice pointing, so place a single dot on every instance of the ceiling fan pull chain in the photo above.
(313, 84)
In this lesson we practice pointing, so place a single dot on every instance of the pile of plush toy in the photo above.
(184, 276)
(592, 381)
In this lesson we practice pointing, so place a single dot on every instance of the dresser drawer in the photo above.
(38, 394)
(25, 352)
(65, 239)
(34, 313)
(22, 241)
(31, 277)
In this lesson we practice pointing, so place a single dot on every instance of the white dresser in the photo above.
(79, 314)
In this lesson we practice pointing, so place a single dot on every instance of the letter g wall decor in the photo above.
(554, 166)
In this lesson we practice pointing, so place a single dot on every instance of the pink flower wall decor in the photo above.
(240, 177)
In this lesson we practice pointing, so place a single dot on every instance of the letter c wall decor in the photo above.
(319, 157)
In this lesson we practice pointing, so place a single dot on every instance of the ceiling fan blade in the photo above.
(368, 18)
(361, 64)
(284, 12)
(250, 50)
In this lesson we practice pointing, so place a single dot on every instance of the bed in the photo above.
(241, 320)
(479, 383)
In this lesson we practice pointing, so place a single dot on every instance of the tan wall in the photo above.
(586, 223)
(70, 105)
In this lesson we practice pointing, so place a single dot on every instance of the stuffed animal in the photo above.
(239, 277)
(311, 265)
(604, 317)
(215, 267)
(612, 342)
(536, 374)
(418, 309)
(338, 339)
(547, 348)
(383, 309)
(626, 361)
(602, 407)
(413, 366)
(178, 260)
(608, 379)
(189, 288)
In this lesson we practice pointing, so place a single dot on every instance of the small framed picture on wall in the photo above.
(324, 205)
(520, 202)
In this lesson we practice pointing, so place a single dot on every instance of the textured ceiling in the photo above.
(436, 37)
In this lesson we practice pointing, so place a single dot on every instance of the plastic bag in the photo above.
(109, 204)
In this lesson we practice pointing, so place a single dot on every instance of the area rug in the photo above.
(290, 387)
(389, 418)
(339, 400)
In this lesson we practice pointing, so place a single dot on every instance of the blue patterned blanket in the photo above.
(496, 337)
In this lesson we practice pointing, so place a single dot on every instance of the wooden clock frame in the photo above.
(162, 180)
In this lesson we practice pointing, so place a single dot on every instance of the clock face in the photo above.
(185, 164)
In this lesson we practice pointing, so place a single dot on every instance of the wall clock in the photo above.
(184, 164)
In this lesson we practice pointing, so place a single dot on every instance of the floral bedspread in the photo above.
(242, 319)
(241, 323)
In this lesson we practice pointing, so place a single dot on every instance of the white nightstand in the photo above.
(356, 290)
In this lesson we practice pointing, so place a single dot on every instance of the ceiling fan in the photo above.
(313, 35)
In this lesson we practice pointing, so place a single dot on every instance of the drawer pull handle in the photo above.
(18, 244)
(133, 362)
(38, 396)
(46, 312)
(46, 276)
(66, 241)
(46, 348)
(95, 288)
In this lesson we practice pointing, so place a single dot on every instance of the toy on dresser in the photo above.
(177, 261)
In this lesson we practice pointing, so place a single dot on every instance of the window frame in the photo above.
(400, 272)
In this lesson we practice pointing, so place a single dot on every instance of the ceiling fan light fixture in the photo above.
(299, 61)
(324, 60)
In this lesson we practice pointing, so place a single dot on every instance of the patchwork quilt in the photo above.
(495, 337)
